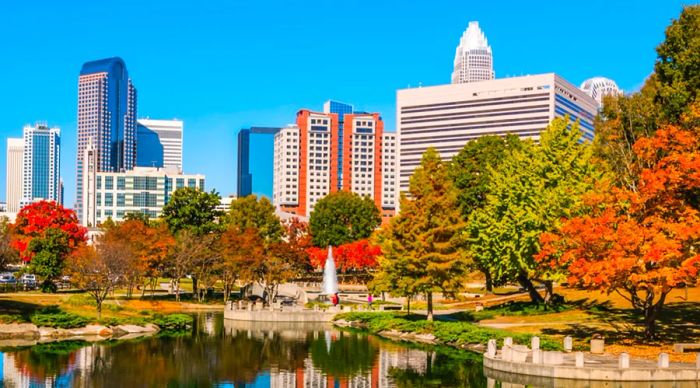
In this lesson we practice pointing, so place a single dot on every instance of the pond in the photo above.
(218, 352)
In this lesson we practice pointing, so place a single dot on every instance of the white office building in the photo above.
(599, 87)
(159, 143)
(473, 57)
(15, 166)
(141, 190)
(446, 117)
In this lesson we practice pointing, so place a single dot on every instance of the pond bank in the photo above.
(23, 334)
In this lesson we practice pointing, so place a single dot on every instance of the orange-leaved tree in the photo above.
(241, 253)
(640, 241)
(359, 255)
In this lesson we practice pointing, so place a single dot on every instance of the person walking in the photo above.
(369, 301)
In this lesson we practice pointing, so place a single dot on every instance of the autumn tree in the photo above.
(35, 219)
(256, 213)
(639, 243)
(533, 188)
(241, 251)
(423, 244)
(343, 217)
(8, 254)
(469, 170)
(187, 255)
(358, 256)
(99, 270)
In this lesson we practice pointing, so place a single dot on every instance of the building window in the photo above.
(109, 183)
(121, 183)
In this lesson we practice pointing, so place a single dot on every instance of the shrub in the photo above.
(174, 322)
(57, 318)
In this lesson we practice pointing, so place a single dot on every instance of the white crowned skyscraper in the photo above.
(473, 58)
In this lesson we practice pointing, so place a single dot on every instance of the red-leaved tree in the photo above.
(35, 219)
(638, 241)
(355, 256)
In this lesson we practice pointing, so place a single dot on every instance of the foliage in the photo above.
(57, 318)
(256, 213)
(8, 254)
(678, 65)
(355, 256)
(239, 253)
(48, 256)
(100, 270)
(192, 209)
(189, 251)
(531, 191)
(639, 243)
(446, 332)
(422, 247)
(342, 217)
(34, 220)
(172, 322)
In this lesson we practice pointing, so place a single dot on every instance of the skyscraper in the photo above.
(341, 109)
(107, 118)
(263, 140)
(41, 163)
(473, 57)
(15, 162)
(599, 87)
(159, 143)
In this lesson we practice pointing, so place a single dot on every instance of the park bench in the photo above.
(682, 347)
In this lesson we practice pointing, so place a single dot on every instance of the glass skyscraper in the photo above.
(261, 140)
(341, 109)
(106, 119)
(41, 163)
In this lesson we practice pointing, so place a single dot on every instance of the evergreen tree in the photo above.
(422, 246)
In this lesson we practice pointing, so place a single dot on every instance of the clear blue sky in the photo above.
(223, 65)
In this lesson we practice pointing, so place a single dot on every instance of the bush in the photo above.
(453, 333)
(57, 318)
(11, 318)
(174, 322)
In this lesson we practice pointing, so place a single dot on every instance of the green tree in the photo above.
(678, 65)
(530, 192)
(256, 213)
(192, 209)
(49, 253)
(343, 217)
(422, 247)
(469, 170)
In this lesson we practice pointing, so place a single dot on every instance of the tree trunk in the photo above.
(650, 315)
(489, 281)
(429, 298)
(195, 288)
(527, 285)
(177, 289)
(549, 291)
(99, 310)
(408, 304)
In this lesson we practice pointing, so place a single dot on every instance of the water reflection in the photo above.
(241, 354)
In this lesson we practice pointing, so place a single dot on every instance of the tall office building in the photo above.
(106, 119)
(15, 166)
(341, 109)
(599, 87)
(473, 57)
(41, 164)
(262, 139)
(159, 143)
(306, 161)
(448, 116)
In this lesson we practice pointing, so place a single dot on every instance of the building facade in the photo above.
(446, 117)
(341, 109)
(15, 167)
(473, 57)
(159, 143)
(263, 140)
(140, 190)
(106, 119)
(41, 165)
(599, 87)
(306, 161)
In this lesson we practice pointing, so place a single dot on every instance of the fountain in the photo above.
(330, 277)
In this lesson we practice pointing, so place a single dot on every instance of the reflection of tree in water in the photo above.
(349, 354)
(444, 368)
(46, 361)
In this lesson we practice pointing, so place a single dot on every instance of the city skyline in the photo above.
(252, 95)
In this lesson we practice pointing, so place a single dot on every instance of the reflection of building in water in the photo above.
(19, 371)
(377, 377)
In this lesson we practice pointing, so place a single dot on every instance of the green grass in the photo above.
(173, 322)
(518, 309)
(454, 333)
(55, 317)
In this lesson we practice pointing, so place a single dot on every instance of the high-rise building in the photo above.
(599, 87)
(473, 57)
(159, 143)
(106, 119)
(341, 109)
(446, 117)
(41, 167)
(262, 139)
(15, 166)
(306, 161)
(140, 190)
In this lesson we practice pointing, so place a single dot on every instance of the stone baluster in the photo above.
(535, 343)
(568, 344)
(624, 361)
(508, 341)
(491, 348)
(663, 360)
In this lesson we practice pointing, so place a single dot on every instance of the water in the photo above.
(224, 353)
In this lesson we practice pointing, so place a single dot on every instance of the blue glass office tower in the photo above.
(341, 109)
(150, 148)
(262, 140)
(106, 119)
(41, 164)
